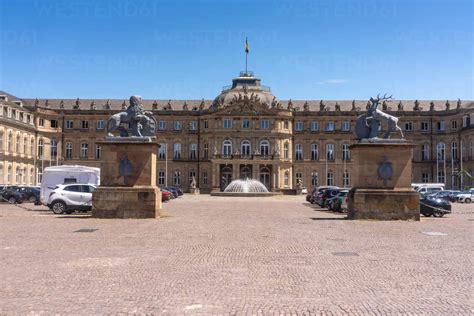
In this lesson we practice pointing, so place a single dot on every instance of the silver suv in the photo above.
(66, 198)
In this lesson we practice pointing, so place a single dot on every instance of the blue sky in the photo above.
(330, 49)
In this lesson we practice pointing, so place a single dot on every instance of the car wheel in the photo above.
(12, 200)
(468, 200)
(58, 207)
(438, 213)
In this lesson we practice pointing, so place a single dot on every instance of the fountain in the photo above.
(246, 187)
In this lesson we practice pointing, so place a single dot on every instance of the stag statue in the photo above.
(369, 124)
(142, 123)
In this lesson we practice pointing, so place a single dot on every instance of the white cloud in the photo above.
(333, 81)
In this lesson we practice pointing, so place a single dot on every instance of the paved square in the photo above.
(216, 255)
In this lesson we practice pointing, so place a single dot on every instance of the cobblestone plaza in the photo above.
(218, 255)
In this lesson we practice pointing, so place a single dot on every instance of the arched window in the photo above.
(454, 151)
(206, 151)
(192, 151)
(227, 148)
(40, 148)
(314, 152)
(286, 179)
(176, 151)
(440, 152)
(32, 146)
(18, 144)
(10, 142)
(32, 174)
(264, 148)
(54, 149)
(314, 179)
(177, 177)
(245, 148)
(1, 144)
(330, 152)
(346, 179)
(9, 175)
(84, 150)
(298, 177)
(330, 178)
(245, 172)
(286, 151)
(25, 145)
(298, 152)
(425, 152)
(68, 150)
(265, 177)
(346, 153)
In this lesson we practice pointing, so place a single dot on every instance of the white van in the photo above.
(427, 188)
(53, 176)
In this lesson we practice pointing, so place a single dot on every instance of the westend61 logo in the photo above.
(66, 8)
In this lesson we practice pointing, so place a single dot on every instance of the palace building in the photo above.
(244, 132)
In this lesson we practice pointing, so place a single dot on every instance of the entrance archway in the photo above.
(226, 177)
(265, 177)
(245, 172)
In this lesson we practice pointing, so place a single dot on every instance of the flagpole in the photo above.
(461, 187)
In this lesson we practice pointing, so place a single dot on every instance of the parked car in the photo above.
(12, 195)
(433, 206)
(179, 190)
(309, 196)
(319, 192)
(453, 196)
(335, 204)
(328, 195)
(173, 191)
(66, 198)
(442, 194)
(304, 190)
(465, 197)
(32, 194)
(165, 195)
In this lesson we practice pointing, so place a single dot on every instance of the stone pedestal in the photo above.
(127, 180)
(382, 182)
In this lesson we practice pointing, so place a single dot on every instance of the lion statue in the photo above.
(142, 123)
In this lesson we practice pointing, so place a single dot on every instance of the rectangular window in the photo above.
(54, 123)
(41, 122)
(346, 126)
(441, 176)
(98, 151)
(192, 151)
(299, 177)
(227, 123)
(206, 124)
(424, 126)
(330, 178)
(177, 125)
(409, 126)
(84, 150)
(245, 123)
(161, 178)
(162, 151)
(314, 179)
(441, 126)
(205, 178)
(454, 124)
(99, 124)
(345, 179)
(330, 126)
(425, 177)
(298, 126)
(264, 124)
(69, 124)
(193, 126)
(314, 126)
(286, 124)
(162, 125)
(84, 124)
(206, 151)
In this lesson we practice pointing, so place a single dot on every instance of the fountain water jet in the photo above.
(246, 187)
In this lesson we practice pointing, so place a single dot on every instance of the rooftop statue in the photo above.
(368, 125)
(142, 123)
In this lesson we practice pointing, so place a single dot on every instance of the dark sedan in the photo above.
(434, 206)
(13, 196)
(32, 194)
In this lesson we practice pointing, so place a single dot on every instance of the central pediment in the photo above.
(245, 104)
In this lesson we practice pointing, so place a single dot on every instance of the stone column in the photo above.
(255, 171)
